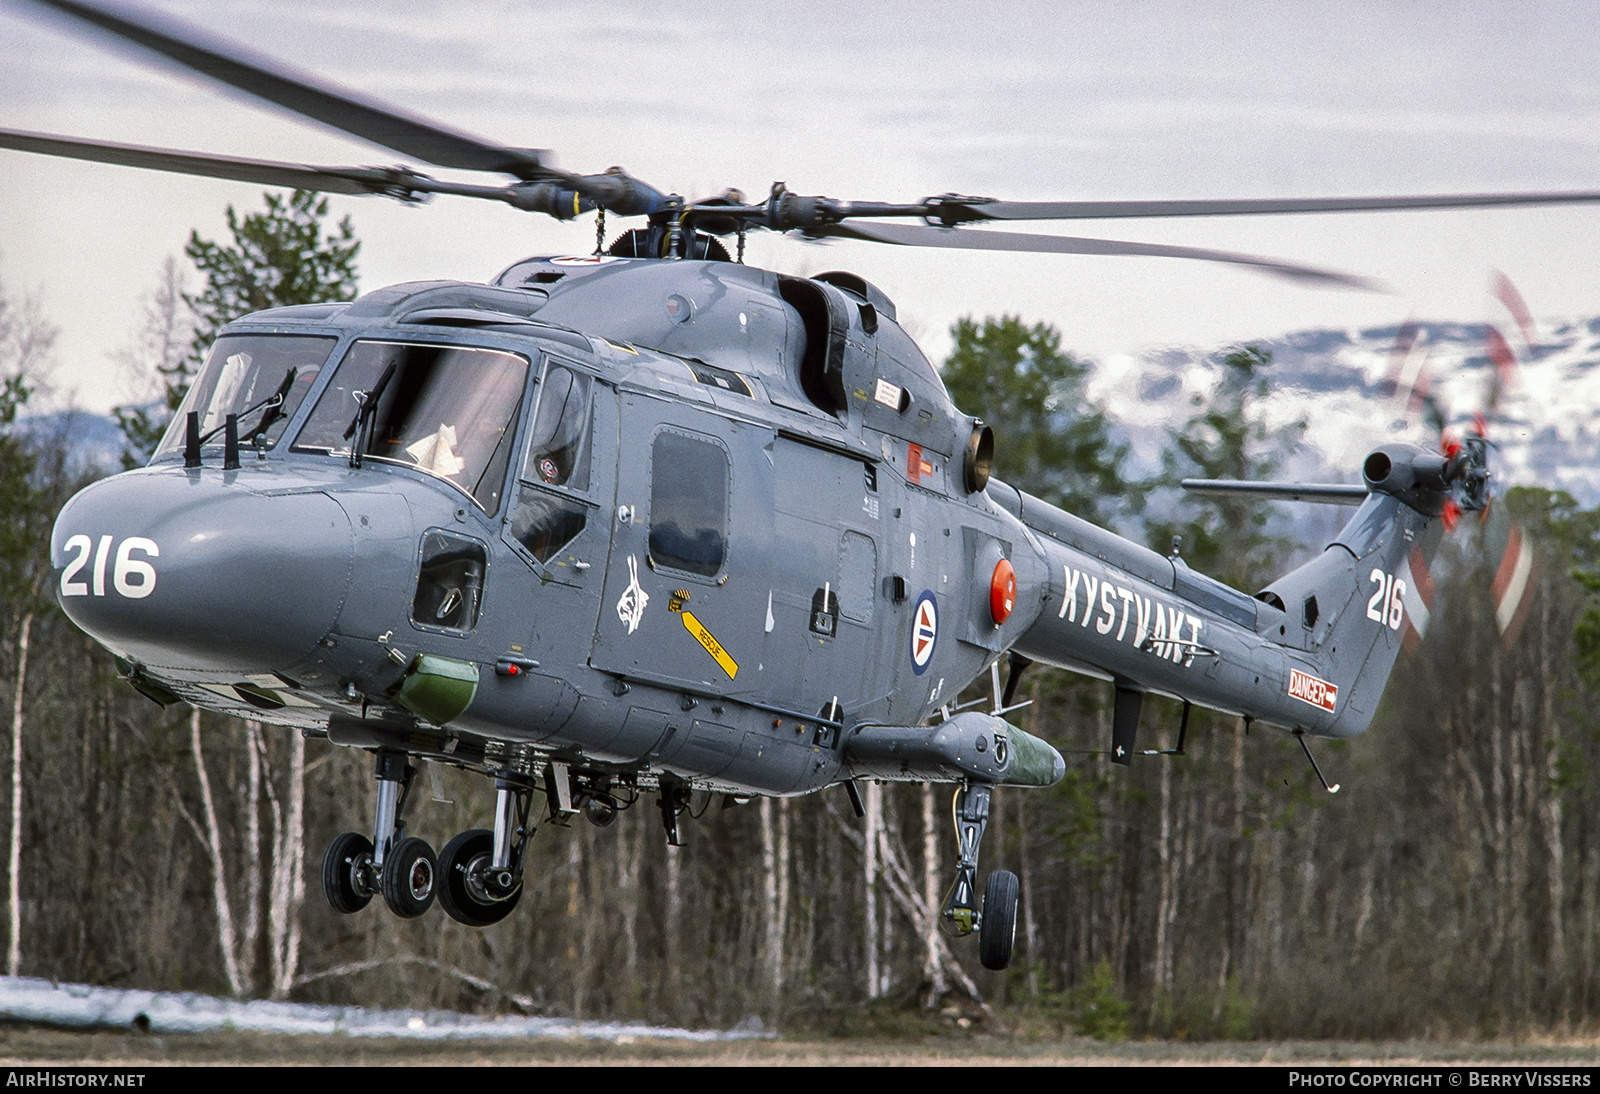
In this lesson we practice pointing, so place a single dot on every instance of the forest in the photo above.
(1451, 886)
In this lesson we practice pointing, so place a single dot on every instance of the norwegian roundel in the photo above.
(924, 632)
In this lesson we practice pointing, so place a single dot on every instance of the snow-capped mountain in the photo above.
(1341, 384)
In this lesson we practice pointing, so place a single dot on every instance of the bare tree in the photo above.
(26, 341)
(157, 353)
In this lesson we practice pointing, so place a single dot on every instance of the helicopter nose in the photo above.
(176, 570)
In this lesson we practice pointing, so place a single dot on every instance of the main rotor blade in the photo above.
(1328, 493)
(915, 235)
(303, 94)
(331, 180)
(959, 209)
(401, 183)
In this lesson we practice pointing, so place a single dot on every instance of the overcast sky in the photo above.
(868, 101)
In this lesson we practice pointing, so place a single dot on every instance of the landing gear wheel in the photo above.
(409, 875)
(344, 873)
(463, 866)
(997, 934)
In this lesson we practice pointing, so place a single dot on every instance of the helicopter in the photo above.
(651, 521)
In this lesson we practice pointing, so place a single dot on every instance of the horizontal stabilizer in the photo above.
(1326, 492)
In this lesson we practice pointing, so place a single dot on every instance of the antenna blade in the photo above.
(915, 235)
(303, 94)
(332, 180)
(1328, 493)
(958, 209)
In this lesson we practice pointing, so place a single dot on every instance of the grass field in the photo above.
(21, 1045)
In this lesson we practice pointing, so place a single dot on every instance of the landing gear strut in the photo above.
(482, 870)
(402, 868)
(996, 920)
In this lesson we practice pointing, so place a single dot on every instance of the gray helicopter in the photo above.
(652, 521)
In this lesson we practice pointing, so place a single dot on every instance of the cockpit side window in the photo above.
(547, 517)
(262, 378)
(558, 454)
(450, 411)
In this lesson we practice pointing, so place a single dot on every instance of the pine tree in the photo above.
(1228, 438)
(284, 255)
(1050, 439)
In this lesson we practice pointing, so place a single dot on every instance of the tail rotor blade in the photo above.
(1504, 291)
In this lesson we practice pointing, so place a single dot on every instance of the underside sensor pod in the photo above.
(971, 745)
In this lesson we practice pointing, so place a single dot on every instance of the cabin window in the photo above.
(688, 504)
(449, 582)
(262, 378)
(450, 411)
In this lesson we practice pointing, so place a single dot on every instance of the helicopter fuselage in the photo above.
(650, 519)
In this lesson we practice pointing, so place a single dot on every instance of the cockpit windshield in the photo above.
(261, 378)
(448, 410)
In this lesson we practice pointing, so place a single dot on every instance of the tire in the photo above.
(462, 901)
(997, 934)
(343, 868)
(410, 878)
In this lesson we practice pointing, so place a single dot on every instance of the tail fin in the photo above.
(1358, 602)
(1368, 594)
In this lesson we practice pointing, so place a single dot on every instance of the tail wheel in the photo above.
(997, 933)
(344, 873)
(463, 871)
(410, 876)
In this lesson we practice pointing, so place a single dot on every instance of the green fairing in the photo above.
(437, 689)
(1033, 762)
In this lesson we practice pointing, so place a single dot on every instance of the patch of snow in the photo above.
(82, 1006)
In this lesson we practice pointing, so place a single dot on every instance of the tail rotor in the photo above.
(1466, 450)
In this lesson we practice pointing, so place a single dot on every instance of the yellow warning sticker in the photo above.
(709, 641)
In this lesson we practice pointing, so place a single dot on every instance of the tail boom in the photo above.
(1313, 651)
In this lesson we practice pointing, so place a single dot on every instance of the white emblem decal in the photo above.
(630, 608)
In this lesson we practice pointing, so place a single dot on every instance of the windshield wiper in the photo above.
(273, 403)
(360, 426)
